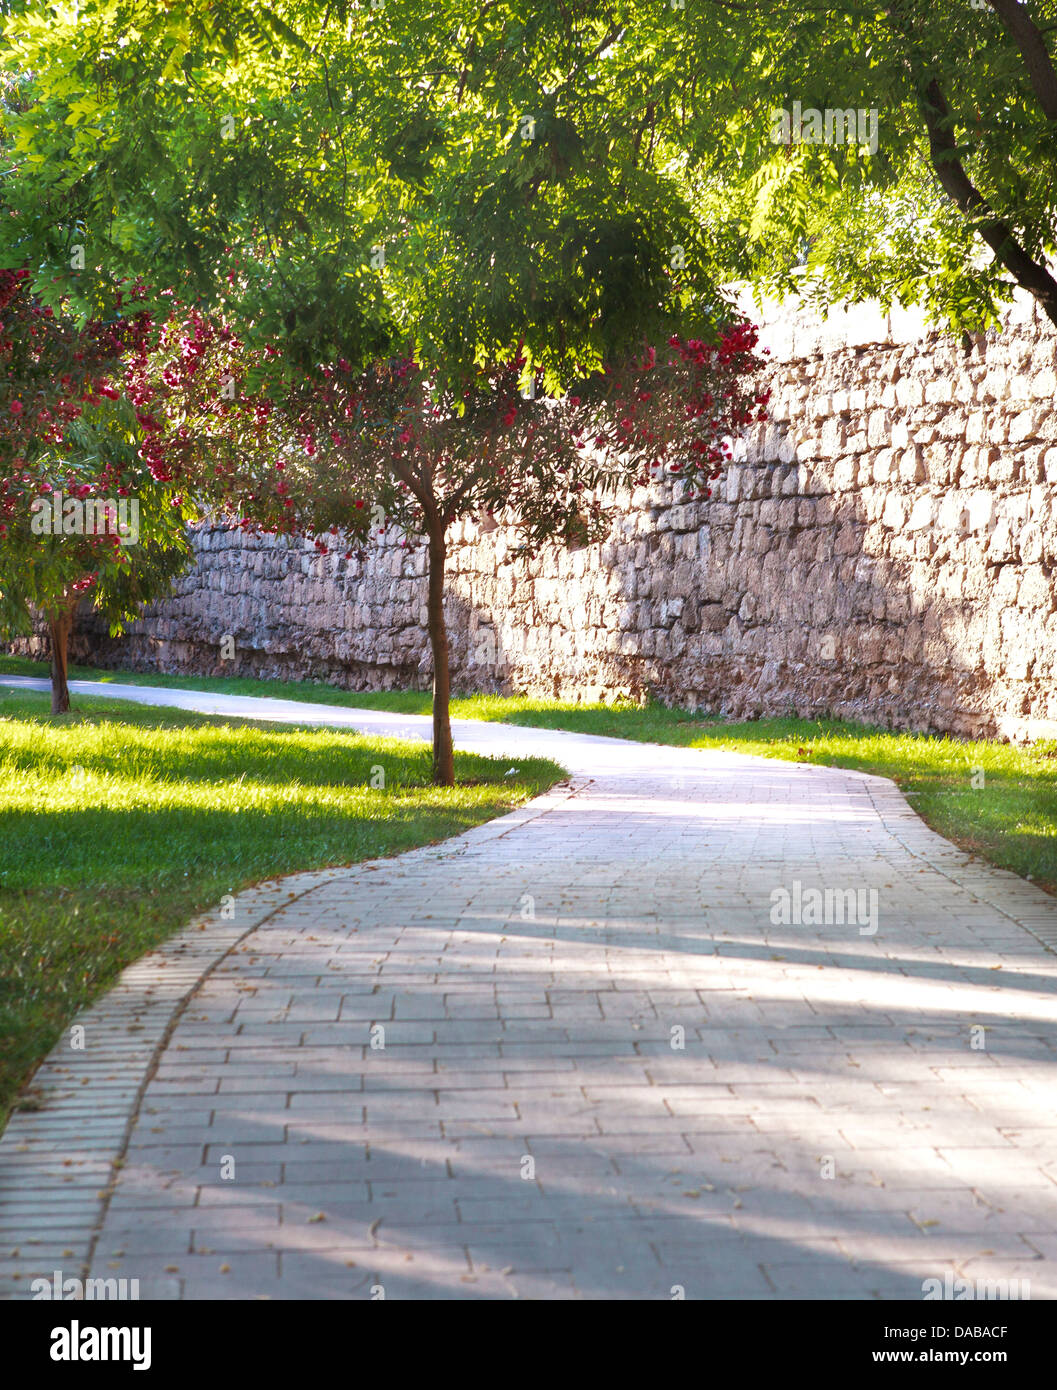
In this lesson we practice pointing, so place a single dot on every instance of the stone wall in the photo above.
(883, 549)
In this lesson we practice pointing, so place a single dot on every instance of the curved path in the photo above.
(576, 1052)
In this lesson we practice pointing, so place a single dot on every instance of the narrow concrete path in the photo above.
(580, 1051)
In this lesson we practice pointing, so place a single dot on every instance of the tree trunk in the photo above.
(443, 754)
(1030, 274)
(60, 624)
(945, 153)
(1037, 61)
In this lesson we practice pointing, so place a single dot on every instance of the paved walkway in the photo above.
(576, 1052)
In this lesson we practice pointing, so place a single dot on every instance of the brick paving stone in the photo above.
(653, 1083)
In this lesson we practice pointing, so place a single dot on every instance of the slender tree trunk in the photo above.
(443, 754)
(60, 623)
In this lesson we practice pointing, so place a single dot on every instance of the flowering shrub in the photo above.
(68, 435)
(321, 453)
(184, 412)
(336, 453)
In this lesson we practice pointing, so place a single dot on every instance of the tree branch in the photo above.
(403, 474)
(1031, 275)
(1038, 64)
(999, 235)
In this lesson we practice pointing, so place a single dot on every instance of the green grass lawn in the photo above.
(994, 799)
(119, 822)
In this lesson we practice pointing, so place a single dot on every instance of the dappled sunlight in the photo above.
(578, 1057)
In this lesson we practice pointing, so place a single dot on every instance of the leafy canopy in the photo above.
(355, 182)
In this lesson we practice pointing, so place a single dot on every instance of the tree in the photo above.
(666, 98)
(412, 225)
(81, 516)
(941, 189)
(339, 453)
